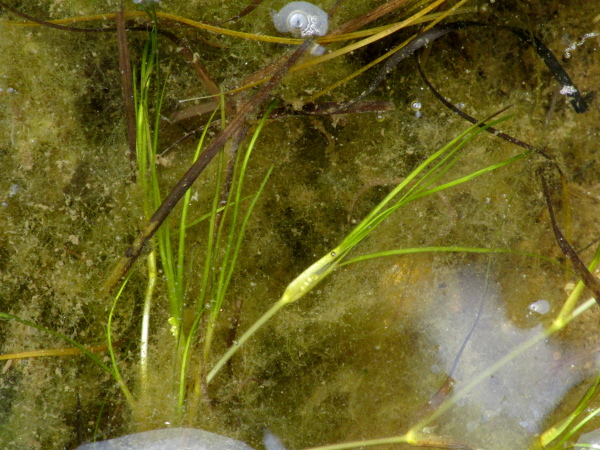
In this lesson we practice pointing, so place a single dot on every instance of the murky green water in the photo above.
(361, 356)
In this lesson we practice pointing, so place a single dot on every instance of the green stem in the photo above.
(204, 283)
(406, 439)
(255, 327)
(115, 371)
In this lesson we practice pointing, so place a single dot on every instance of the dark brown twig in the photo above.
(237, 312)
(247, 10)
(466, 116)
(194, 171)
(193, 111)
(127, 85)
(473, 120)
(327, 108)
(237, 139)
(590, 281)
(310, 109)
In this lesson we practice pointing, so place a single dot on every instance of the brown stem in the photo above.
(235, 143)
(579, 267)
(328, 108)
(234, 327)
(127, 85)
(473, 120)
(247, 10)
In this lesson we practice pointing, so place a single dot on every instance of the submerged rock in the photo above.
(169, 439)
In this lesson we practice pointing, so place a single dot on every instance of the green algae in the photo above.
(356, 359)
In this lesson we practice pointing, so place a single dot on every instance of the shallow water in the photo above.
(364, 354)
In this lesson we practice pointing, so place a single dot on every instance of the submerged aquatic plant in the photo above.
(195, 276)
(416, 184)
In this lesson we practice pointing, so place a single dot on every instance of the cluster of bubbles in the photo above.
(416, 106)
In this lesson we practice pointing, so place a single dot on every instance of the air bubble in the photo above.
(540, 307)
(416, 105)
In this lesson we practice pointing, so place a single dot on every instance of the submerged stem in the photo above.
(145, 335)
(247, 335)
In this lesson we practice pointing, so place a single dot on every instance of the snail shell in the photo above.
(301, 18)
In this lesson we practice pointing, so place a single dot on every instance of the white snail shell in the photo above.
(301, 18)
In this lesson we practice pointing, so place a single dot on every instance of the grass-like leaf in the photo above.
(414, 186)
